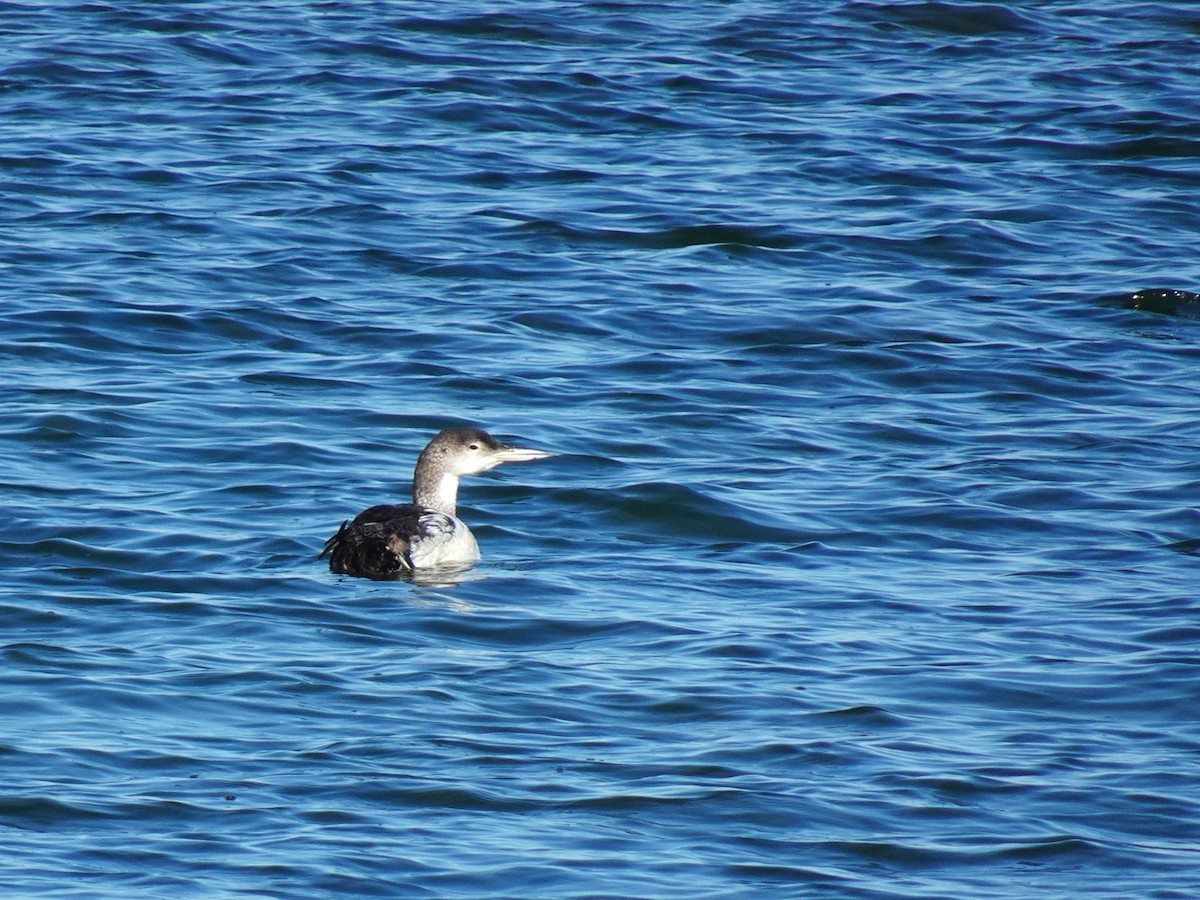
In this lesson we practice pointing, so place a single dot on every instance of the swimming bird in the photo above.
(390, 540)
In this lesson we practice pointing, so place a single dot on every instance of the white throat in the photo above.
(441, 494)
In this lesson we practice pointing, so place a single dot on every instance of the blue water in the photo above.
(868, 566)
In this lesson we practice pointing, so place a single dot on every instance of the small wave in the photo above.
(966, 20)
(661, 510)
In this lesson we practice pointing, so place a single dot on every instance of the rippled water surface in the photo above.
(866, 338)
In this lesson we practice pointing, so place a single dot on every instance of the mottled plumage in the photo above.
(389, 541)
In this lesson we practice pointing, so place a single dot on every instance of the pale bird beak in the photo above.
(520, 454)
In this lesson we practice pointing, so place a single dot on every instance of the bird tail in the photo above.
(332, 544)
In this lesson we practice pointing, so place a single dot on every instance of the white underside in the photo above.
(444, 541)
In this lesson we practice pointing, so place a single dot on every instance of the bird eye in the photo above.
(473, 447)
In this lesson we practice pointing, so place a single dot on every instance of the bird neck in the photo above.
(434, 488)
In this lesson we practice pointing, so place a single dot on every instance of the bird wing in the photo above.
(375, 544)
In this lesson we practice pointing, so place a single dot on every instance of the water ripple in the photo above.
(865, 334)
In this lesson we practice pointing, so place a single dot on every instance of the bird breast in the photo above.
(443, 540)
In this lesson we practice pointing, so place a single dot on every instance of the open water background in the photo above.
(869, 565)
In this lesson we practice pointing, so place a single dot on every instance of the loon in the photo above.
(388, 541)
